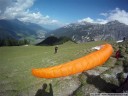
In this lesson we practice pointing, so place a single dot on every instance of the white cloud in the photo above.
(103, 14)
(101, 21)
(3, 5)
(116, 14)
(19, 9)
(90, 20)
(15, 8)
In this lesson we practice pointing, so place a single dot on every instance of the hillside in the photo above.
(85, 31)
(50, 41)
(16, 64)
(20, 30)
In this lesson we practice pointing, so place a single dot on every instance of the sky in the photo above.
(53, 14)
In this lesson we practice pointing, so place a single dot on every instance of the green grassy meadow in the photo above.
(16, 64)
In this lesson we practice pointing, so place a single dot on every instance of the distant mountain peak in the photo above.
(114, 22)
(85, 31)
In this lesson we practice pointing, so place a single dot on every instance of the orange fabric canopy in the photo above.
(76, 66)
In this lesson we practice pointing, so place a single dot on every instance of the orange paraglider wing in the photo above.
(76, 66)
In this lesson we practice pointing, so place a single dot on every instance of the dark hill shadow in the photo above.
(52, 40)
(101, 84)
(43, 92)
(123, 87)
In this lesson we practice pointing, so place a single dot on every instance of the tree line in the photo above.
(13, 42)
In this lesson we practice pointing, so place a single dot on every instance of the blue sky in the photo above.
(56, 13)
(72, 10)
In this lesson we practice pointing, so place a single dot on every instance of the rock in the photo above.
(97, 71)
(66, 86)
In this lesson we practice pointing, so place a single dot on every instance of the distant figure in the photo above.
(43, 92)
(56, 49)
(118, 54)
(123, 38)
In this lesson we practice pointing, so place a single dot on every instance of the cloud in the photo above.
(3, 5)
(116, 14)
(104, 14)
(14, 8)
(19, 9)
(90, 20)
(101, 21)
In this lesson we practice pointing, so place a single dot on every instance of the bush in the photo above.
(13, 42)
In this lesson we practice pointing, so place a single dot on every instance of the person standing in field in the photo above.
(118, 54)
(56, 49)
(123, 38)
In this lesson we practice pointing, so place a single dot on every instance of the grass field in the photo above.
(16, 64)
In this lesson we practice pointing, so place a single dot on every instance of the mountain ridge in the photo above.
(79, 32)
(85, 31)
(19, 30)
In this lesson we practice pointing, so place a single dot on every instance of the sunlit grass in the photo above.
(16, 64)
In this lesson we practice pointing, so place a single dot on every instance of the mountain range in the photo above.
(20, 30)
(79, 32)
(85, 31)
